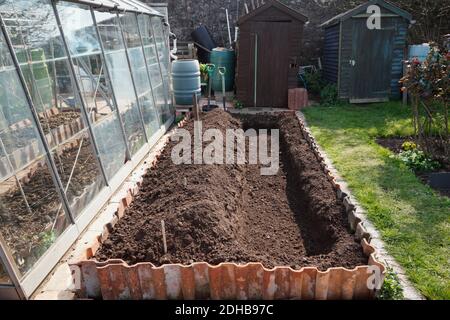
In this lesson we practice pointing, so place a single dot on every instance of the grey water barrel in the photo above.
(222, 57)
(186, 80)
(202, 37)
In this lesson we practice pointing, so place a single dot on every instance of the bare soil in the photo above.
(230, 213)
(62, 118)
(3, 277)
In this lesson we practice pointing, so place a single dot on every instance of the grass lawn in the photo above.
(413, 219)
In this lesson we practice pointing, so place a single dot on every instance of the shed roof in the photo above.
(120, 5)
(363, 8)
(276, 4)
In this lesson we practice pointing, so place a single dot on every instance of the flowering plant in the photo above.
(428, 85)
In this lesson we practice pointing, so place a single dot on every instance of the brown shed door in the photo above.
(273, 63)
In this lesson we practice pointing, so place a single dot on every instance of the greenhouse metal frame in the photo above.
(84, 95)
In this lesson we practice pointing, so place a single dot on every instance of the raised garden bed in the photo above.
(58, 120)
(24, 147)
(227, 224)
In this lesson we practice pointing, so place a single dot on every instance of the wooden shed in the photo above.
(366, 64)
(269, 45)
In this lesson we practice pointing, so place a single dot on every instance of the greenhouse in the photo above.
(84, 95)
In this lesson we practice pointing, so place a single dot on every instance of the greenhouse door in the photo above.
(371, 63)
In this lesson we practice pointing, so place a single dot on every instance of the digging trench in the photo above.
(231, 213)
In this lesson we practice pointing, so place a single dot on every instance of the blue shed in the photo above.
(365, 59)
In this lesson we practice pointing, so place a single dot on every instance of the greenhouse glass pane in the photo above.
(161, 45)
(139, 72)
(47, 72)
(79, 171)
(95, 90)
(20, 142)
(122, 82)
(90, 71)
(81, 37)
(164, 60)
(31, 213)
(79, 29)
(32, 22)
(4, 277)
(39, 48)
(111, 149)
(153, 65)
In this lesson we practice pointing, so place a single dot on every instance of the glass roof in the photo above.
(122, 5)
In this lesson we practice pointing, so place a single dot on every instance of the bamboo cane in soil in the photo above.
(163, 229)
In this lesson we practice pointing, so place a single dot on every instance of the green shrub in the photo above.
(314, 82)
(203, 68)
(417, 160)
(391, 289)
(204, 72)
(179, 118)
(238, 104)
(329, 96)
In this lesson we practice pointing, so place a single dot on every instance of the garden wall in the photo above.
(186, 15)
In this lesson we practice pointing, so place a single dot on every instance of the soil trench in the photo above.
(231, 213)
